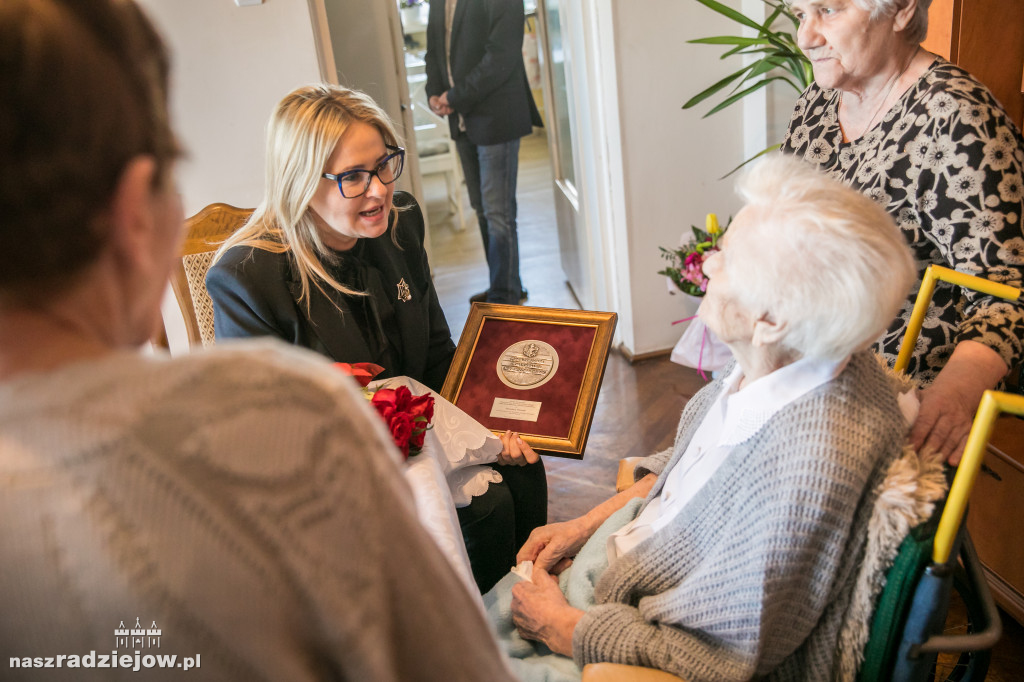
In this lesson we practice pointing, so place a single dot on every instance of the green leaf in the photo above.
(728, 101)
(776, 57)
(760, 68)
(704, 94)
(774, 15)
(731, 13)
(752, 158)
(739, 49)
(796, 86)
(728, 40)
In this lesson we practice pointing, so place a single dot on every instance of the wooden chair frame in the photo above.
(205, 232)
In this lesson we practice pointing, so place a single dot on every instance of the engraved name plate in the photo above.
(509, 408)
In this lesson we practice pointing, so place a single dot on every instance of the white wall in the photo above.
(366, 42)
(671, 158)
(231, 65)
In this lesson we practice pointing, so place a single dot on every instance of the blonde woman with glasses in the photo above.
(333, 260)
(315, 265)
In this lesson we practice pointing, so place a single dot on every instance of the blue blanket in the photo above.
(533, 661)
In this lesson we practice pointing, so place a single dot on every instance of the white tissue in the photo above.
(524, 570)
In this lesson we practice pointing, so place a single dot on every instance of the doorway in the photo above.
(457, 256)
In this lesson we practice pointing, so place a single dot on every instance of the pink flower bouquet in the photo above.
(686, 263)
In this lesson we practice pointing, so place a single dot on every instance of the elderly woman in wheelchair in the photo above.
(735, 554)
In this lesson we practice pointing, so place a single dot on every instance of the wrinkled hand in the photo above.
(943, 423)
(439, 104)
(515, 451)
(552, 547)
(541, 613)
(948, 405)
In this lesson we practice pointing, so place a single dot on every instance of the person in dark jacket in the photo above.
(333, 260)
(476, 77)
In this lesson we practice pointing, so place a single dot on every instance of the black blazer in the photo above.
(256, 292)
(491, 89)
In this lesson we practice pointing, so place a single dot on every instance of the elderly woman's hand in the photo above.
(552, 547)
(541, 613)
(516, 451)
(948, 405)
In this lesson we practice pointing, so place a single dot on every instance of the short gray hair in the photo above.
(825, 260)
(917, 27)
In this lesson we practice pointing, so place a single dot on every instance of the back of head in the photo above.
(821, 257)
(84, 87)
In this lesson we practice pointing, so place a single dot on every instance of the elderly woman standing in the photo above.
(931, 145)
(234, 498)
(741, 561)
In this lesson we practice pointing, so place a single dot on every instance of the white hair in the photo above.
(917, 27)
(819, 257)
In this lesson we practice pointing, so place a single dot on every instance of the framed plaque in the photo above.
(535, 371)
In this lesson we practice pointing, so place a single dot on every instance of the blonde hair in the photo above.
(824, 258)
(302, 134)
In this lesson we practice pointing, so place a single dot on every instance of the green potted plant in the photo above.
(778, 59)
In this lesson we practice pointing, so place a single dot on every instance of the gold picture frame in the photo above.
(536, 371)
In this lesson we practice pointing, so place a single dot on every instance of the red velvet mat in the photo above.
(482, 385)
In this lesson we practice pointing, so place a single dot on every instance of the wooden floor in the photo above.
(639, 404)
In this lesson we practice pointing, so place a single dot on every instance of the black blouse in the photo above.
(373, 313)
(398, 325)
(946, 163)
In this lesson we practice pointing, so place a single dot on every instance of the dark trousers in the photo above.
(491, 172)
(496, 524)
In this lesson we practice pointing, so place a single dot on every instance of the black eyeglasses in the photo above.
(354, 183)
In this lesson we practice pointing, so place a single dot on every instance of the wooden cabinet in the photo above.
(996, 515)
(985, 37)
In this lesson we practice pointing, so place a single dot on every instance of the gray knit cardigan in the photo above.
(763, 560)
(247, 500)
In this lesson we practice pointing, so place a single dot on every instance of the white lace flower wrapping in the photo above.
(448, 472)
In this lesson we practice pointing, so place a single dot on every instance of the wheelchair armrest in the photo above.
(624, 478)
(975, 641)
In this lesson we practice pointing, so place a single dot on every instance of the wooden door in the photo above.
(987, 39)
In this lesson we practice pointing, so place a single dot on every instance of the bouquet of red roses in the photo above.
(407, 416)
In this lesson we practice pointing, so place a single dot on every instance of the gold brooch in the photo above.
(404, 295)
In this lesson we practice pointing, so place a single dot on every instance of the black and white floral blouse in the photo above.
(946, 163)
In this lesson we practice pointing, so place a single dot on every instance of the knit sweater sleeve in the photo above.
(688, 421)
(739, 580)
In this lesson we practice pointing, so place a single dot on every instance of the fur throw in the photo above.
(907, 497)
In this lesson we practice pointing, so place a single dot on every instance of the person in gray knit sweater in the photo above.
(741, 559)
(238, 514)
